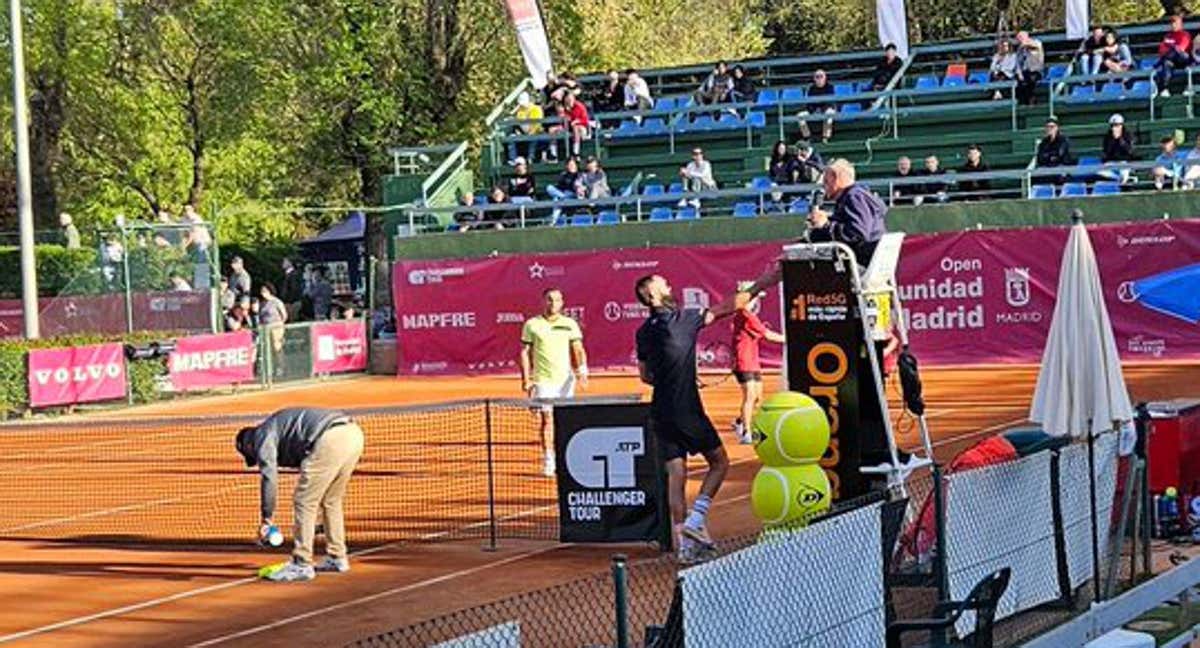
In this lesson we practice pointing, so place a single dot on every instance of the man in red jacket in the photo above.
(577, 120)
(1174, 52)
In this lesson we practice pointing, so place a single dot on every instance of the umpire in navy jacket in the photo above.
(325, 445)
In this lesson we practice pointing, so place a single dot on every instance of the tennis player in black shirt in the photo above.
(666, 352)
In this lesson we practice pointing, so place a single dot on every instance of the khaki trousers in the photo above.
(324, 475)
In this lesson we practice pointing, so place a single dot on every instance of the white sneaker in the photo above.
(293, 572)
(333, 565)
(548, 465)
(739, 428)
(700, 536)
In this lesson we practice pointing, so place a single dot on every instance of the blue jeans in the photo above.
(1167, 65)
(530, 150)
(558, 194)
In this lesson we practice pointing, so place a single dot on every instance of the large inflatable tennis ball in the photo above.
(790, 429)
(789, 494)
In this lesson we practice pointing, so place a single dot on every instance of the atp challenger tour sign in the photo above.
(609, 474)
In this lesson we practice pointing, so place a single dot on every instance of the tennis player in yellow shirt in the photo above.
(552, 363)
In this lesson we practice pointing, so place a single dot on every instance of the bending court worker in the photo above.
(666, 353)
(552, 362)
(325, 445)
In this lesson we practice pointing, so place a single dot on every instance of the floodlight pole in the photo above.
(29, 303)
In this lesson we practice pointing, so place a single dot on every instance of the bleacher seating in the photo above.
(659, 214)
(745, 210)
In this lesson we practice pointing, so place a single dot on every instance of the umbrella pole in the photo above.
(1097, 594)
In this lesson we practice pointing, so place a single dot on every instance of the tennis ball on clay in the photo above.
(790, 429)
(789, 494)
(1171, 492)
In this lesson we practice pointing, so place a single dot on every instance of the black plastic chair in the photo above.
(982, 600)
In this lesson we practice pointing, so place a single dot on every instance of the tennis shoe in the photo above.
(293, 572)
(691, 553)
(699, 535)
(333, 565)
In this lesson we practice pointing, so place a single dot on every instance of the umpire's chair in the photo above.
(982, 600)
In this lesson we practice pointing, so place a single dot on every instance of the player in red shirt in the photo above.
(748, 330)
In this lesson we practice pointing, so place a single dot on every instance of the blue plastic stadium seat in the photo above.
(756, 120)
(1147, 63)
(791, 95)
(608, 217)
(453, 226)
(1106, 189)
(561, 221)
(799, 206)
(843, 89)
(1056, 73)
(659, 214)
(675, 189)
(761, 183)
(1073, 189)
(481, 199)
(767, 97)
(850, 108)
(1089, 161)
(581, 220)
(654, 125)
(953, 82)
(1082, 94)
(652, 190)
(926, 83)
(729, 121)
(1041, 192)
(745, 210)
(702, 123)
(664, 103)
(978, 77)
(1140, 90)
(687, 213)
(628, 128)
(1113, 89)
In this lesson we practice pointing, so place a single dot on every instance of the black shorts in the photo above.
(678, 439)
(744, 377)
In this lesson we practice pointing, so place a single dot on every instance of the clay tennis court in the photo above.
(134, 561)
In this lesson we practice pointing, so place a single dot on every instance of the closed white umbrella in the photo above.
(1080, 387)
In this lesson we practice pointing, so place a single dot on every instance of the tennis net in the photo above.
(450, 470)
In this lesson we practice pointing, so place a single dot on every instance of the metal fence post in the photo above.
(621, 599)
(491, 475)
(128, 287)
(939, 563)
(1098, 594)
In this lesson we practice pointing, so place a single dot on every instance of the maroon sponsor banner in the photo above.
(206, 361)
(971, 297)
(339, 346)
(66, 315)
(76, 375)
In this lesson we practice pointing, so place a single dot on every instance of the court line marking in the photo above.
(97, 616)
(980, 432)
(377, 595)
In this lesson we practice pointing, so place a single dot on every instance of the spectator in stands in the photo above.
(637, 92)
(1003, 67)
(468, 213)
(566, 86)
(168, 228)
(743, 87)
(1167, 164)
(777, 204)
(226, 295)
(809, 165)
(550, 88)
(612, 94)
(564, 186)
(528, 113)
(781, 168)
(577, 121)
(1117, 146)
(935, 190)
(697, 175)
(905, 193)
(495, 218)
(1031, 61)
(522, 184)
(1174, 52)
(1191, 166)
(1054, 149)
(716, 87)
(1085, 54)
(237, 317)
(239, 278)
(1113, 58)
(320, 292)
(291, 292)
(974, 189)
(272, 315)
(70, 233)
(886, 69)
(179, 284)
(820, 88)
(592, 184)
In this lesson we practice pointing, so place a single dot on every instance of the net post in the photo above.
(491, 475)
(621, 599)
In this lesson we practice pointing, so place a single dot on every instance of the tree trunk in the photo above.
(45, 145)
(196, 148)
(446, 54)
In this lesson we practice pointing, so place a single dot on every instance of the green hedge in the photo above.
(78, 272)
(14, 388)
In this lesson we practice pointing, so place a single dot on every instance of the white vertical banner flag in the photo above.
(1078, 17)
(893, 25)
(531, 36)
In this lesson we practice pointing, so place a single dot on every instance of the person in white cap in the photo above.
(1117, 147)
(528, 113)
